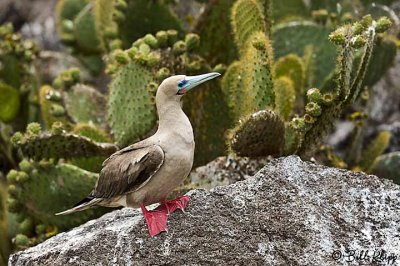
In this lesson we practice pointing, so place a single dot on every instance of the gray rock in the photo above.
(290, 213)
(225, 170)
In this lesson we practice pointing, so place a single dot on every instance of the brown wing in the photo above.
(128, 169)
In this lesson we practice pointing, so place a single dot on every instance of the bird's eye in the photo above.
(182, 83)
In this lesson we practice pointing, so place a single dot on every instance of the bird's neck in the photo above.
(172, 118)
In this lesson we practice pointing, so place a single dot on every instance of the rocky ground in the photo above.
(290, 213)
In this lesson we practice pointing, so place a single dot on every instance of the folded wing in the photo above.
(128, 170)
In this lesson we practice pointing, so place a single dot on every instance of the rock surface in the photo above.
(290, 213)
(225, 170)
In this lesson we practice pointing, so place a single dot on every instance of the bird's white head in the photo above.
(176, 86)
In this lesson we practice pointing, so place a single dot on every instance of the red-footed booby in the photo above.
(147, 171)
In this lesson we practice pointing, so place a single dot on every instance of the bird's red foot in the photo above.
(156, 220)
(170, 206)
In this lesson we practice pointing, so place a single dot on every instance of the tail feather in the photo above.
(84, 204)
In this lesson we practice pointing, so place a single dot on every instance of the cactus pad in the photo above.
(214, 28)
(295, 36)
(131, 112)
(292, 66)
(52, 188)
(259, 134)
(285, 97)
(46, 145)
(50, 107)
(85, 104)
(233, 91)
(247, 18)
(87, 37)
(257, 73)
(142, 17)
(9, 102)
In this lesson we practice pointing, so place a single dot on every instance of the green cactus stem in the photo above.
(208, 112)
(254, 134)
(382, 59)
(4, 242)
(347, 86)
(293, 138)
(67, 79)
(66, 11)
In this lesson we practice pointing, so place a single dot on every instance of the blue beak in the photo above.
(192, 81)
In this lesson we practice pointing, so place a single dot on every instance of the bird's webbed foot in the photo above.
(156, 220)
(170, 206)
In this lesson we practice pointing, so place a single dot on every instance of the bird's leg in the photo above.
(170, 206)
(156, 220)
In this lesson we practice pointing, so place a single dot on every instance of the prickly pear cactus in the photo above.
(4, 245)
(85, 104)
(289, 9)
(285, 97)
(92, 163)
(382, 59)
(87, 38)
(258, 134)
(232, 84)
(215, 31)
(257, 73)
(292, 66)
(18, 79)
(131, 110)
(66, 11)
(247, 18)
(58, 144)
(294, 37)
(142, 17)
(39, 190)
(16, 58)
(321, 114)
(51, 106)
